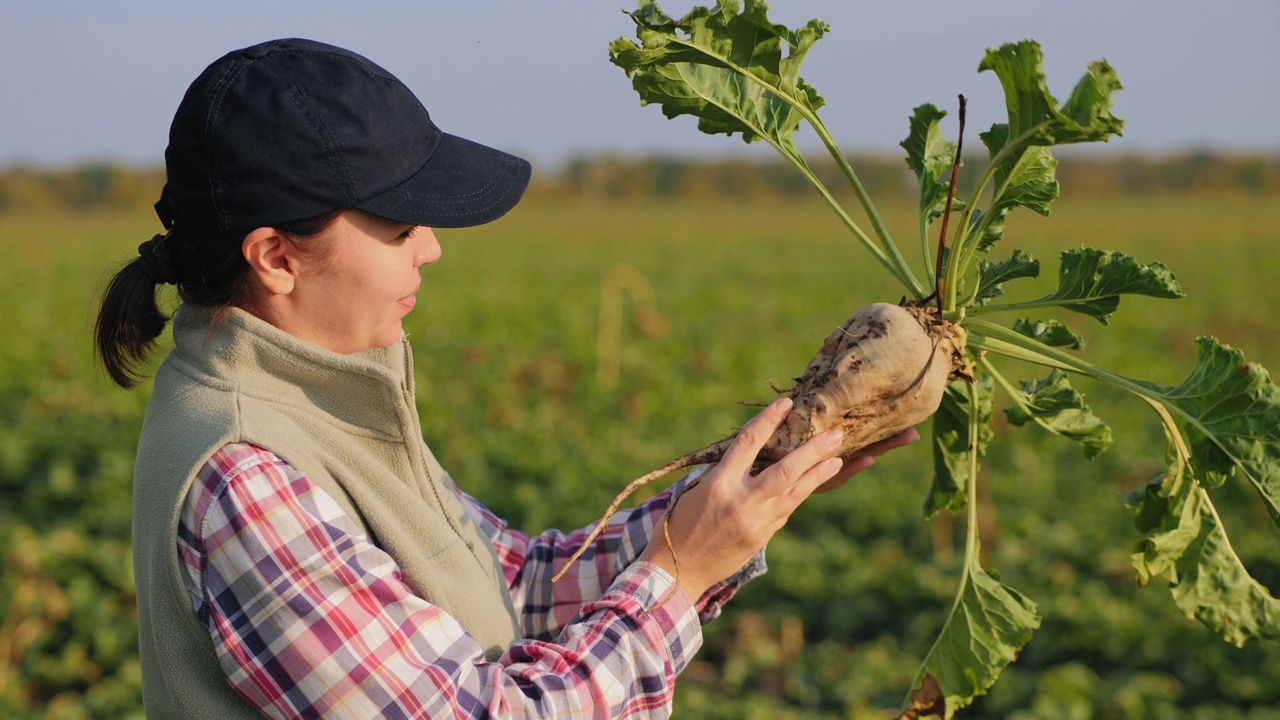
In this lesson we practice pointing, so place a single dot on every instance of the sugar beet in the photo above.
(881, 372)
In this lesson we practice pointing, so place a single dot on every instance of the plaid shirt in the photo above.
(309, 618)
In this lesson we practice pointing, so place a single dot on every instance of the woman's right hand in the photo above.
(730, 514)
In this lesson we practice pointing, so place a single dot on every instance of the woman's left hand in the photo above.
(865, 458)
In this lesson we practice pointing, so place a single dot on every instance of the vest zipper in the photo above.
(407, 389)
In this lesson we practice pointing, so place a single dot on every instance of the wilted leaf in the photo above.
(1231, 411)
(1187, 546)
(925, 700)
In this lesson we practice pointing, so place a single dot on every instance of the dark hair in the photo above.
(209, 270)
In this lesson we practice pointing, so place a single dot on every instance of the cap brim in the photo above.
(463, 184)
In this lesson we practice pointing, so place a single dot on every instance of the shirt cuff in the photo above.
(662, 609)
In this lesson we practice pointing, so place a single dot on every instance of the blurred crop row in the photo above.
(508, 354)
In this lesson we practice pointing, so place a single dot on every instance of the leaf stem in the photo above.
(930, 275)
(1016, 351)
(891, 257)
(1031, 304)
(849, 222)
(967, 244)
(1032, 350)
(1171, 430)
(970, 541)
(971, 492)
(1014, 395)
(982, 333)
(886, 240)
(895, 265)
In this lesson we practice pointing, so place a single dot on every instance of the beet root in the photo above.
(881, 372)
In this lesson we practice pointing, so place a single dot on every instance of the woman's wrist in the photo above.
(659, 553)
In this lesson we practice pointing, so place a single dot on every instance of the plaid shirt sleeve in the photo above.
(530, 562)
(310, 619)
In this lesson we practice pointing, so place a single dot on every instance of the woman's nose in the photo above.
(427, 250)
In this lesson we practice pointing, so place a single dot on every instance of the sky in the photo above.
(91, 81)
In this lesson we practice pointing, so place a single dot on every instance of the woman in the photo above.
(298, 550)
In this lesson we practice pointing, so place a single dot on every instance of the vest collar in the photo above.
(360, 389)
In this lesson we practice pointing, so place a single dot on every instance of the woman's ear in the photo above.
(271, 261)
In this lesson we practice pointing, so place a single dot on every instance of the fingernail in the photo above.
(782, 403)
(832, 437)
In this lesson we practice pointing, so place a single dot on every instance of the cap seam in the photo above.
(362, 62)
(367, 67)
(210, 137)
(504, 170)
(379, 74)
(336, 160)
(461, 213)
(507, 165)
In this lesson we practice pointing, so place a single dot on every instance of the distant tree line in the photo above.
(81, 187)
(883, 175)
(116, 186)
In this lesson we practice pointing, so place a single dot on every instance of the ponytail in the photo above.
(129, 322)
(209, 270)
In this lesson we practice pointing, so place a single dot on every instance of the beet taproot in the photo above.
(881, 372)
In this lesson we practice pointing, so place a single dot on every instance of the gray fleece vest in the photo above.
(350, 424)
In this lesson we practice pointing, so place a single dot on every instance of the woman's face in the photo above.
(363, 282)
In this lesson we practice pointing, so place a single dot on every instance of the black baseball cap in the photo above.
(292, 129)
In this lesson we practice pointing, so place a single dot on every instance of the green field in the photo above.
(507, 360)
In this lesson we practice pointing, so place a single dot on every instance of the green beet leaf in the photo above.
(991, 276)
(1034, 118)
(1187, 546)
(1230, 409)
(1028, 180)
(1057, 407)
(951, 444)
(1022, 165)
(988, 227)
(723, 65)
(931, 157)
(1031, 182)
(989, 624)
(1049, 332)
(1091, 282)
